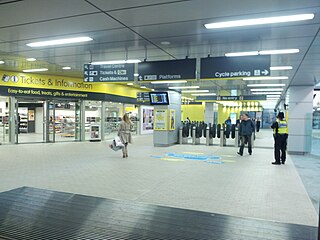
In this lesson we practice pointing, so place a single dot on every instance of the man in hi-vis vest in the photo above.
(280, 135)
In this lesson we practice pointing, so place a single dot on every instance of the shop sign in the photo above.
(109, 72)
(183, 69)
(232, 98)
(234, 67)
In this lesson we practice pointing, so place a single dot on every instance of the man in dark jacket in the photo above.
(245, 132)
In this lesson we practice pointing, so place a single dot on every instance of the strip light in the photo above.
(66, 68)
(281, 68)
(260, 21)
(35, 70)
(1, 62)
(185, 87)
(266, 85)
(194, 91)
(143, 87)
(240, 54)
(116, 62)
(280, 51)
(130, 84)
(266, 93)
(266, 78)
(169, 81)
(203, 94)
(31, 59)
(265, 89)
(59, 42)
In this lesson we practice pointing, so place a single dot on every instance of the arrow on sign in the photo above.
(265, 72)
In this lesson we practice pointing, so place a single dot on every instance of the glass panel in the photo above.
(4, 120)
(113, 113)
(92, 120)
(78, 121)
(65, 121)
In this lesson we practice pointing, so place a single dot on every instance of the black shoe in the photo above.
(276, 163)
(239, 153)
(283, 162)
(250, 153)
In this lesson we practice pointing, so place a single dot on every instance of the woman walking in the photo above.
(124, 133)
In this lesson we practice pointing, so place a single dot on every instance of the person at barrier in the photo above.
(245, 132)
(280, 135)
(228, 122)
(188, 120)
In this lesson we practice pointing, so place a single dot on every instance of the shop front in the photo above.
(55, 109)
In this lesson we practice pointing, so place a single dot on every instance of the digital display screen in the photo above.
(159, 98)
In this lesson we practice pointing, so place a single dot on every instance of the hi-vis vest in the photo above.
(282, 127)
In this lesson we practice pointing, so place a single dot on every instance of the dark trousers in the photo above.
(280, 145)
(245, 139)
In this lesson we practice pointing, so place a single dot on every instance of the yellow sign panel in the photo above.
(160, 120)
(35, 81)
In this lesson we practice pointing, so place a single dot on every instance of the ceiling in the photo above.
(134, 29)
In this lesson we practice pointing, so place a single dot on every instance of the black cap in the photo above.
(280, 115)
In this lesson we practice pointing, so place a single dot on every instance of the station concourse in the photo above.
(184, 72)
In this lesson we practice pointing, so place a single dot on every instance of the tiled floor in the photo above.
(247, 186)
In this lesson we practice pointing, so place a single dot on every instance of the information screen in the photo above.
(159, 98)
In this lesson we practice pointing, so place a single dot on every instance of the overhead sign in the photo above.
(234, 67)
(143, 97)
(109, 72)
(167, 70)
(232, 98)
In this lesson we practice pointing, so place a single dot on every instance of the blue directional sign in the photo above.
(234, 67)
(109, 72)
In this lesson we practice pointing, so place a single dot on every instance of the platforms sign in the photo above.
(108, 72)
(182, 69)
(234, 67)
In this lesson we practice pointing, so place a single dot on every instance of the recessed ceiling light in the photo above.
(185, 87)
(280, 68)
(266, 85)
(116, 62)
(1, 62)
(59, 42)
(273, 95)
(136, 74)
(35, 70)
(130, 84)
(31, 59)
(240, 54)
(143, 87)
(279, 51)
(203, 94)
(66, 68)
(152, 90)
(169, 81)
(165, 43)
(260, 21)
(194, 91)
(266, 78)
(265, 89)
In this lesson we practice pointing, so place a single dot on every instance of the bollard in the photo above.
(208, 137)
(194, 135)
(180, 135)
(236, 138)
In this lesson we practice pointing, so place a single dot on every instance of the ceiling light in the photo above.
(152, 90)
(130, 84)
(143, 87)
(266, 85)
(35, 70)
(1, 62)
(265, 93)
(281, 68)
(136, 74)
(266, 78)
(203, 94)
(184, 87)
(170, 81)
(66, 68)
(273, 96)
(116, 62)
(238, 54)
(259, 21)
(165, 43)
(280, 51)
(31, 59)
(194, 91)
(59, 42)
(265, 89)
